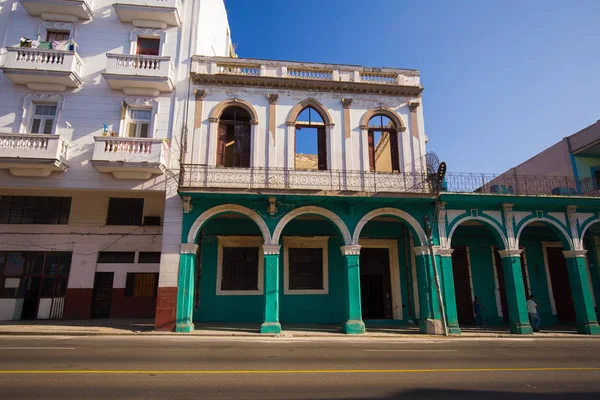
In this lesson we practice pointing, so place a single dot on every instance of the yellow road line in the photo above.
(300, 371)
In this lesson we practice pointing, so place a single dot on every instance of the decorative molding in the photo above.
(187, 204)
(350, 250)
(388, 112)
(403, 215)
(200, 94)
(508, 222)
(346, 102)
(510, 253)
(330, 215)
(269, 249)
(273, 98)
(217, 110)
(189, 248)
(520, 216)
(45, 26)
(574, 253)
(297, 109)
(272, 206)
(496, 215)
(442, 252)
(451, 215)
(27, 108)
(560, 216)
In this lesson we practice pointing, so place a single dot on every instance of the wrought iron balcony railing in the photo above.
(202, 176)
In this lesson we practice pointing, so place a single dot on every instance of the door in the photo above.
(32, 296)
(462, 285)
(561, 288)
(102, 295)
(375, 284)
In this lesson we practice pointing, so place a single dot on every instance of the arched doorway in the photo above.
(234, 141)
(310, 142)
(477, 274)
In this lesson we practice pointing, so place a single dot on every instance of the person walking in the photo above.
(477, 306)
(534, 316)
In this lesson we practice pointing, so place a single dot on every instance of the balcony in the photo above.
(36, 155)
(41, 69)
(293, 75)
(139, 75)
(130, 158)
(59, 10)
(279, 179)
(149, 13)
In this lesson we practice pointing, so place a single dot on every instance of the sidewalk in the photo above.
(110, 327)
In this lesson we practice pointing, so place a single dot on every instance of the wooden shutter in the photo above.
(394, 151)
(322, 148)
(371, 143)
(242, 145)
(123, 110)
(221, 142)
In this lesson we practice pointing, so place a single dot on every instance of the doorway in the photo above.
(31, 298)
(561, 289)
(462, 285)
(375, 284)
(102, 294)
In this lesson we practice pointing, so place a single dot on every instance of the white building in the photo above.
(93, 106)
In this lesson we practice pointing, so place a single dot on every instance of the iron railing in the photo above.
(290, 179)
(202, 176)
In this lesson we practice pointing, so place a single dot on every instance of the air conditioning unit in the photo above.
(151, 221)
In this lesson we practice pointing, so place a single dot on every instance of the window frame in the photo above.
(139, 122)
(240, 241)
(62, 213)
(130, 290)
(146, 34)
(43, 118)
(28, 110)
(108, 213)
(314, 242)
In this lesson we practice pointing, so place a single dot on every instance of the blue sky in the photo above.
(503, 79)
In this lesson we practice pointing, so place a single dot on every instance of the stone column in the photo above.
(580, 290)
(515, 292)
(430, 316)
(272, 154)
(354, 323)
(447, 277)
(271, 289)
(185, 293)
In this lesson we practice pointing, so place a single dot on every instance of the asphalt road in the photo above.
(169, 367)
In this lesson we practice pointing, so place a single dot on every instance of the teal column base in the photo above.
(521, 329)
(454, 330)
(353, 327)
(271, 327)
(589, 328)
(184, 328)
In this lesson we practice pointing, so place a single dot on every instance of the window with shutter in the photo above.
(234, 138)
(138, 122)
(44, 116)
(371, 142)
(384, 153)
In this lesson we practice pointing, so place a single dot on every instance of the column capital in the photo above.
(421, 251)
(510, 253)
(187, 204)
(200, 94)
(213, 119)
(442, 252)
(189, 248)
(413, 105)
(271, 249)
(346, 102)
(574, 253)
(273, 97)
(350, 250)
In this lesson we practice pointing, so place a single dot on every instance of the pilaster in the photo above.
(515, 291)
(185, 291)
(430, 315)
(445, 262)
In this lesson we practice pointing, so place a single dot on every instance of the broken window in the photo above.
(311, 141)
(383, 145)
(233, 144)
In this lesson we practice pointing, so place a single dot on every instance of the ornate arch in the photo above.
(403, 215)
(586, 227)
(212, 212)
(554, 224)
(388, 112)
(488, 222)
(330, 215)
(297, 109)
(217, 110)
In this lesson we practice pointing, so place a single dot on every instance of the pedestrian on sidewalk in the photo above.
(534, 316)
(477, 306)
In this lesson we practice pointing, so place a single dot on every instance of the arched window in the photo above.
(311, 141)
(383, 144)
(234, 141)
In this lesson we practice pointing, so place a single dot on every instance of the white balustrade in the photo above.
(135, 150)
(305, 71)
(24, 58)
(126, 64)
(33, 146)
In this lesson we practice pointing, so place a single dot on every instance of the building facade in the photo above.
(92, 108)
